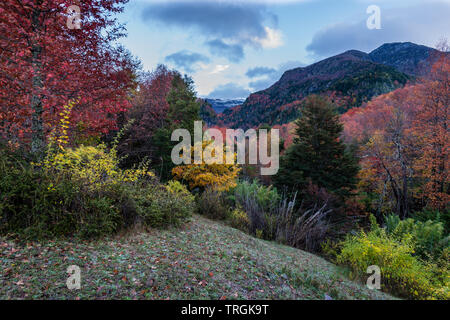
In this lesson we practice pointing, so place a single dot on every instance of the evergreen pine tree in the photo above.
(184, 110)
(317, 154)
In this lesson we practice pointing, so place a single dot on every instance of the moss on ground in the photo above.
(203, 260)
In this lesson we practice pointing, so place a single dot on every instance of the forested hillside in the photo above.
(111, 186)
(351, 79)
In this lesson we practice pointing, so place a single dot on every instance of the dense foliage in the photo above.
(317, 154)
(85, 149)
(404, 138)
(164, 102)
(44, 64)
(217, 176)
(83, 192)
(398, 250)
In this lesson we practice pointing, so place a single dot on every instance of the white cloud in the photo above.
(219, 68)
(206, 81)
(273, 39)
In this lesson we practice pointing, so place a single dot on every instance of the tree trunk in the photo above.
(37, 126)
(405, 202)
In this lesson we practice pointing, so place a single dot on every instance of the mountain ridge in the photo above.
(350, 79)
(407, 57)
(219, 105)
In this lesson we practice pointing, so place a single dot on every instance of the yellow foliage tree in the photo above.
(93, 166)
(220, 177)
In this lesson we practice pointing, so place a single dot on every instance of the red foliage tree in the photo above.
(44, 64)
(431, 127)
(405, 140)
(149, 112)
(150, 106)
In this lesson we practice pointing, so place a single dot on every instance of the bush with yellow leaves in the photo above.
(91, 166)
(402, 273)
(82, 191)
(176, 188)
(239, 219)
(220, 177)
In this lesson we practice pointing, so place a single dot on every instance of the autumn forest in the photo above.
(88, 184)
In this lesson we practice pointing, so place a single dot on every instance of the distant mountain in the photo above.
(207, 113)
(406, 57)
(350, 78)
(219, 105)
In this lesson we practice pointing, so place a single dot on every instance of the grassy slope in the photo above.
(204, 260)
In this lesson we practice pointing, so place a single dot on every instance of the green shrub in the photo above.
(267, 198)
(391, 222)
(33, 206)
(393, 250)
(401, 272)
(260, 203)
(101, 216)
(212, 204)
(441, 269)
(43, 202)
(434, 215)
(427, 237)
(163, 206)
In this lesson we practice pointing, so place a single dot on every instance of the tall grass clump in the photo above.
(282, 218)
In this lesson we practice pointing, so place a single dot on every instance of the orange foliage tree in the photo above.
(431, 127)
(404, 138)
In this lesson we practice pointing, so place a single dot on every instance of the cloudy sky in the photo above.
(234, 47)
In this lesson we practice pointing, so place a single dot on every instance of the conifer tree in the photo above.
(318, 155)
(184, 110)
